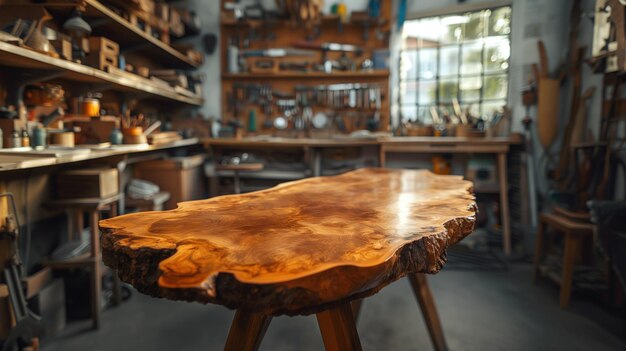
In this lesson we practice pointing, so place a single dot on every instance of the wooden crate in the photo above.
(101, 60)
(104, 45)
(87, 183)
(63, 47)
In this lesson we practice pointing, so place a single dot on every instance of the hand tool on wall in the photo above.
(277, 52)
(548, 101)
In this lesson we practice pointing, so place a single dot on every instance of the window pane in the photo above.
(452, 28)
(474, 108)
(446, 110)
(427, 92)
(422, 33)
(449, 65)
(409, 112)
(500, 21)
(474, 27)
(497, 52)
(428, 63)
(408, 92)
(423, 114)
(488, 108)
(470, 88)
(448, 89)
(472, 59)
(408, 65)
(496, 87)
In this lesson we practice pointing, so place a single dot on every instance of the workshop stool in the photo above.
(250, 167)
(151, 203)
(92, 206)
(574, 233)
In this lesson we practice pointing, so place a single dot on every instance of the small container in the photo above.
(116, 137)
(90, 107)
(25, 138)
(16, 139)
(39, 137)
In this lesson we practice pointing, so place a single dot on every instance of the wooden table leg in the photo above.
(504, 202)
(356, 308)
(571, 242)
(429, 310)
(96, 289)
(247, 331)
(338, 329)
(382, 157)
(539, 249)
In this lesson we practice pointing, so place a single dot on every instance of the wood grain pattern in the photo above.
(297, 248)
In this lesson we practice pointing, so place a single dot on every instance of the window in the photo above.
(463, 56)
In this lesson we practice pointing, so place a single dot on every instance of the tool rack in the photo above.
(367, 33)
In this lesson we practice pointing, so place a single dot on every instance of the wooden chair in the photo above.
(250, 167)
(574, 232)
(92, 206)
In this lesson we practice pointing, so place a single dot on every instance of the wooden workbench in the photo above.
(311, 145)
(499, 147)
(453, 145)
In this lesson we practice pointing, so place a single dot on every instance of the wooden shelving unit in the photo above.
(105, 22)
(19, 57)
(296, 75)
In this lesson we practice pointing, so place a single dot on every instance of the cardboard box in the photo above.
(87, 183)
(182, 177)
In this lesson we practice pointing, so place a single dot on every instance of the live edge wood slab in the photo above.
(298, 248)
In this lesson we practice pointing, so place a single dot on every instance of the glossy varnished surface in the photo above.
(296, 246)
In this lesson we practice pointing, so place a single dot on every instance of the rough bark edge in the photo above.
(140, 269)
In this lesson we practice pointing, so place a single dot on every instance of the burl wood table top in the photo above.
(297, 248)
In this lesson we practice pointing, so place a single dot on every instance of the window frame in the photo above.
(483, 74)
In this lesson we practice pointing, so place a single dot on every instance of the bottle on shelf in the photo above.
(25, 138)
(16, 139)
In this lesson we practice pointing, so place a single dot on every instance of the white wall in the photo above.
(209, 12)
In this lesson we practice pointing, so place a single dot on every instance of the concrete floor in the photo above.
(479, 311)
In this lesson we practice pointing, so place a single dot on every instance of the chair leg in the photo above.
(429, 310)
(338, 329)
(569, 256)
(539, 249)
(247, 331)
